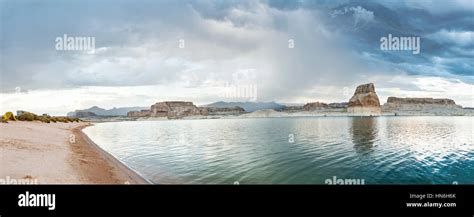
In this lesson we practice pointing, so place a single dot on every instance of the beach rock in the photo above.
(364, 102)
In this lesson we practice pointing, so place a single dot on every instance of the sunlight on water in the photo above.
(382, 150)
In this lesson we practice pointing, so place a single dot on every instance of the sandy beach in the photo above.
(57, 153)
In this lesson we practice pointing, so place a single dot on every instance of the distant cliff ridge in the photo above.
(247, 106)
(397, 100)
(427, 106)
(223, 110)
(174, 109)
(317, 106)
(180, 109)
(139, 114)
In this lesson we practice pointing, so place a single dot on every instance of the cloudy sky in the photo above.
(291, 51)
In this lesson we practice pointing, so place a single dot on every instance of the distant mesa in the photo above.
(139, 114)
(316, 106)
(247, 106)
(365, 101)
(221, 110)
(427, 106)
(180, 109)
(321, 106)
(404, 101)
(174, 109)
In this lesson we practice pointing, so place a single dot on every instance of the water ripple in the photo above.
(383, 150)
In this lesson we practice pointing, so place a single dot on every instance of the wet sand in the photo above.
(57, 153)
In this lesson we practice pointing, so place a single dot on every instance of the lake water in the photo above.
(306, 150)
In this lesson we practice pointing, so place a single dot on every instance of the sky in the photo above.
(206, 51)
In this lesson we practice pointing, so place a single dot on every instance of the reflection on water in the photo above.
(380, 150)
(364, 133)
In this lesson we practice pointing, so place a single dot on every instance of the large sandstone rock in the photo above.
(365, 101)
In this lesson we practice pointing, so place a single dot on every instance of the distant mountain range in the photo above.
(248, 106)
(122, 111)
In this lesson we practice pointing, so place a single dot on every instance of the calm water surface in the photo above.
(380, 150)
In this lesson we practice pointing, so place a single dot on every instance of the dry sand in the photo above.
(57, 153)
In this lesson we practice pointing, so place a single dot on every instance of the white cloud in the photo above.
(59, 102)
(140, 62)
(439, 7)
(359, 13)
(463, 38)
(434, 87)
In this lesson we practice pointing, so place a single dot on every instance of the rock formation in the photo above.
(221, 110)
(139, 114)
(365, 101)
(180, 109)
(428, 106)
(398, 101)
(174, 109)
(315, 106)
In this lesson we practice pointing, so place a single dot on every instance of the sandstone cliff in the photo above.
(315, 106)
(365, 101)
(139, 114)
(174, 109)
(236, 110)
(417, 106)
(180, 109)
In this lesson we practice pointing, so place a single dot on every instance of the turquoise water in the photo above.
(379, 150)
